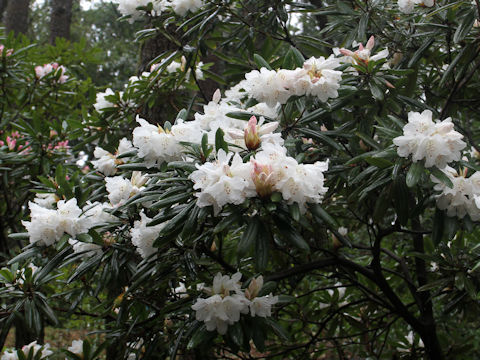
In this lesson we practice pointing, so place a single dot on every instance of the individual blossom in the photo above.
(107, 162)
(260, 306)
(182, 7)
(318, 78)
(155, 144)
(264, 178)
(363, 55)
(463, 197)
(407, 6)
(46, 200)
(224, 306)
(435, 142)
(44, 350)
(76, 347)
(255, 133)
(270, 86)
(120, 189)
(101, 102)
(130, 8)
(144, 236)
(84, 248)
(221, 183)
(58, 70)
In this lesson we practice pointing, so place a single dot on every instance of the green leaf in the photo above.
(249, 236)
(401, 196)
(262, 248)
(414, 174)
(440, 175)
(377, 91)
(438, 226)
(418, 54)
(220, 142)
(465, 26)
(261, 62)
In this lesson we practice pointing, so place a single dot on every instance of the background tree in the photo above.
(60, 19)
(16, 17)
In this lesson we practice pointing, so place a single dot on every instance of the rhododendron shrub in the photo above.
(325, 197)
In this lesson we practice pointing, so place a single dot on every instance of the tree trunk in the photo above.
(16, 19)
(60, 19)
(161, 111)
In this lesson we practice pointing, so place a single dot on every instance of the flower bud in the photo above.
(262, 176)
(252, 140)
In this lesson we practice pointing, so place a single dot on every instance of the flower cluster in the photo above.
(120, 189)
(48, 225)
(436, 142)
(408, 6)
(317, 77)
(39, 352)
(270, 170)
(180, 7)
(228, 301)
(57, 70)
(107, 162)
(463, 198)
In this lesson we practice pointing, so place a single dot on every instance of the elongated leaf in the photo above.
(261, 62)
(465, 26)
(414, 174)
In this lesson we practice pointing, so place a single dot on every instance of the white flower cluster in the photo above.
(48, 225)
(463, 198)
(436, 142)
(107, 162)
(120, 189)
(58, 70)
(408, 6)
(180, 7)
(228, 301)
(317, 78)
(270, 170)
(144, 236)
(43, 351)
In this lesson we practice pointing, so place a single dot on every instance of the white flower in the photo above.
(221, 183)
(76, 347)
(46, 200)
(318, 78)
(9, 355)
(269, 86)
(262, 306)
(86, 249)
(154, 144)
(144, 236)
(107, 162)
(95, 214)
(214, 115)
(462, 198)
(407, 6)
(120, 189)
(342, 231)
(181, 7)
(438, 143)
(44, 349)
(224, 284)
(129, 7)
(49, 225)
(102, 103)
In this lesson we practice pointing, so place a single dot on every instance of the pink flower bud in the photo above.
(252, 140)
(262, 176)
